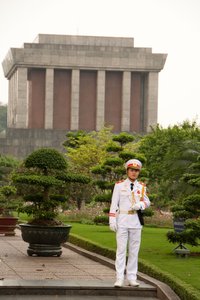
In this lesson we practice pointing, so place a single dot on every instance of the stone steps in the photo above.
(73, 289)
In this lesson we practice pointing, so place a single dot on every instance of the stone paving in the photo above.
(72, 272)
(16, 264)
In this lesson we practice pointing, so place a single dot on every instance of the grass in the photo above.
(155, 249)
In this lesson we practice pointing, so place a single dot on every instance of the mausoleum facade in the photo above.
(63, 83)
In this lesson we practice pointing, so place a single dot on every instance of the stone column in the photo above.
(152, 100)
(126, 98)
(75, 100)
(100, 100)
(11, 112)
(49, 99)
(22, 99)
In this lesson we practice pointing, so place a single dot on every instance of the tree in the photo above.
(83, 152)
(112, 169)
(8, 201)
(74, 139)
(169, 152)
(41, 182)
(189, 209)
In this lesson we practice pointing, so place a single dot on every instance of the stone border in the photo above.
(164, 292)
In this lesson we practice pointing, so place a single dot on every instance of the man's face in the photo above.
(132, 174)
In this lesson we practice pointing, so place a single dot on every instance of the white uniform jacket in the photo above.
(123, 200)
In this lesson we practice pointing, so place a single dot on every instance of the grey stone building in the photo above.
(62, 82)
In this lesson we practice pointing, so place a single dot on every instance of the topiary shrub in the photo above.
(41, 181)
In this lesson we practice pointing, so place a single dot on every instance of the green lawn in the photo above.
(155, 249)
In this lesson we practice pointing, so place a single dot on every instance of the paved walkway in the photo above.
(71, 269)
(16, 264)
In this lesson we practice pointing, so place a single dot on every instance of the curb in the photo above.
(164, 292)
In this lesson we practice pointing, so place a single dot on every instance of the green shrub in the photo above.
(103, 197)
(41, 181)
(101, 220)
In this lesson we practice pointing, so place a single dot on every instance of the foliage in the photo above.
(89, 150)
(189, 209)
(148, 212)
(182, 238)
(123, 138)
(83, 152)
(41, 181)
(46, 159)
(7, 164)
(103, 197)
(8, 201)
(125, 155)
(112, 168)
(102, 219)
(74, 139)
(169, 153)
(166, 153)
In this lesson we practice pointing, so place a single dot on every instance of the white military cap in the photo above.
(133, 164)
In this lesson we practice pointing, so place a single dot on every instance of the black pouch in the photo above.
(140, 216)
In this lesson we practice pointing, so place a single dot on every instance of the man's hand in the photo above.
(137, 206)
(113, 226)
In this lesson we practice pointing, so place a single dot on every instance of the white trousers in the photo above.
(132, 237)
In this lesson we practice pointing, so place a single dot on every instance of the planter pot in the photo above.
(8, 225)
(44, 240)
(184, 252)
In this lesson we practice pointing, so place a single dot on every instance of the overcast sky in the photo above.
(167, 26)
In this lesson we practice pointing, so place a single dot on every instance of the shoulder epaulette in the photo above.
(142, 183)
(119, 181)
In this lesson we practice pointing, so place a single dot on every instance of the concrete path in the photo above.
(15, 264)
(70, 276)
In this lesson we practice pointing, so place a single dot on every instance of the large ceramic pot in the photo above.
(45, 240)
(8, 225)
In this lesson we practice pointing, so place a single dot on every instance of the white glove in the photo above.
(113, 226)
(137, 206)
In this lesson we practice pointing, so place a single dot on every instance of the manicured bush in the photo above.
(41, 181)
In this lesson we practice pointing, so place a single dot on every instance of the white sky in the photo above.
(167, 26)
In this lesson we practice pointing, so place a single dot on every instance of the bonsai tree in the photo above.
(112, 170)
(8, 201)
(41, 183)
(188, 210)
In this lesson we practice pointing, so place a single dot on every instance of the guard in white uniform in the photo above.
(128, 199)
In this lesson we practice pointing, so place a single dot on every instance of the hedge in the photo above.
(183, 290)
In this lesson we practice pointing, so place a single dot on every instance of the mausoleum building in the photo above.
(63, 83)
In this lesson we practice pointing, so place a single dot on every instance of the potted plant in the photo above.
(187, 212)
(8, 201)
(41, 183)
